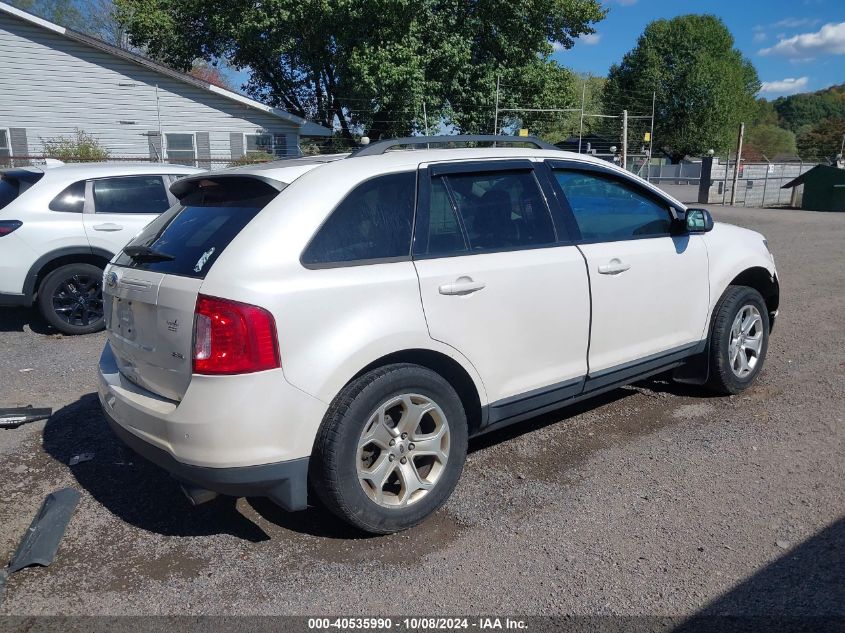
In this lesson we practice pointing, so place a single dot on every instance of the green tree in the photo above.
(765, 141)
(92, 17)
(371, 64)
(808, 109)
(822, 141)
(704, 86)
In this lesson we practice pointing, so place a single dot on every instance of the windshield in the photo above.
(188, 238)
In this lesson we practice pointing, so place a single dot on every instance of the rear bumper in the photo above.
(286, 483)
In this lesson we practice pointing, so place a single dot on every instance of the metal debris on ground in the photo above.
(82, 457)
(41, 541)
(11, 418)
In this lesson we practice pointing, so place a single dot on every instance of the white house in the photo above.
(54, 81)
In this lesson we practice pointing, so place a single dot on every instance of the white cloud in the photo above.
(788, 86)
(625, 3)
(590, 38)
(796, 23)
(759, 36)
(829, 40)
(557, 47)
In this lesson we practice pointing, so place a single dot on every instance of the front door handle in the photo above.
(462, 286)
(108, 226)
(613, 267)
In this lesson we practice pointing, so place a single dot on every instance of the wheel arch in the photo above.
(450, 369)
(49, 262)
(763, 281)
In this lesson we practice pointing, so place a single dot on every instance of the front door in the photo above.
(498, 282)
(649, 281)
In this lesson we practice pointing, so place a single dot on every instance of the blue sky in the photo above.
(796, 45)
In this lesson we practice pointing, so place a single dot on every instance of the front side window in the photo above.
(608, 210)
(130, 194)
(181, 149)
(501, 210)
(71, 200)
(372, 222)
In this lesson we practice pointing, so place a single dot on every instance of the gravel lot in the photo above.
(655, 499)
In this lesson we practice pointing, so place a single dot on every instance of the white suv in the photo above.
(60, 226)
(342, 325)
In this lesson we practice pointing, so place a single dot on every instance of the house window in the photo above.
(181, 149)
(5, 147)
(265, 144)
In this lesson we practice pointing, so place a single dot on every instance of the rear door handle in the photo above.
(108, 226)
(614, 267)
(462, 286)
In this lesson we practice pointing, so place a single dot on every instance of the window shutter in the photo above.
(236, 142)
(155, 146)
(203, 150)
(17, 139)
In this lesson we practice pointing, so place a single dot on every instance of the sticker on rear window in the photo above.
(204, 260)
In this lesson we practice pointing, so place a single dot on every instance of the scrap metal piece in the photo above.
(11, 418)
(82, 457)
(41, 541)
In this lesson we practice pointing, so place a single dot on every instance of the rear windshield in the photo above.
(188, 238)
(12, 185)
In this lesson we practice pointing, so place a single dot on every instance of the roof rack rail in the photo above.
(380, 147)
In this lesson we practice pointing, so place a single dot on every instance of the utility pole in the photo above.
(496, 115)
(425, 119)
(624, 139)
(651, 135)
(736, 164)
(581, 129)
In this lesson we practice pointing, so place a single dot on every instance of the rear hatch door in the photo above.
(150, 290)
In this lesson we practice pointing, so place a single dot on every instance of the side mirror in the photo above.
(699, 221)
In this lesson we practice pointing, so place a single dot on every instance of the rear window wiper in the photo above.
(146, 254)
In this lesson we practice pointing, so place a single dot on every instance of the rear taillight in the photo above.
(7, 226)
(233, 338)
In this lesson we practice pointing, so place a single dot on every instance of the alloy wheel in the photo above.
(746, 341)
(78, 300)
(403, 450)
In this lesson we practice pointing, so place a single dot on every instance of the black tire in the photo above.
(334, 475)
(71, 299)
(723, 379)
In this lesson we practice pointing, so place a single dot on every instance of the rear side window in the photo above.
(188, 238)
(71, 200)
(130, 194)
(502, 210)
(608, 210)
(373, 222)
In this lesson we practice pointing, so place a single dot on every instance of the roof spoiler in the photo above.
(227, 186)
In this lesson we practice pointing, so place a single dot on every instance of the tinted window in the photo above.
(444, 230)
(132, 194)
(196, 231)
(502, 210)
(608, 210)
(372, 222)
(71, 200)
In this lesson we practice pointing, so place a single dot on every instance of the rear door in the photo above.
(648, 276)
(117, 208)
(499, 281)
(150, 299)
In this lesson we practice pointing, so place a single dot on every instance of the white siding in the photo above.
(50, 85)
